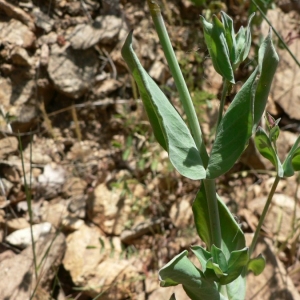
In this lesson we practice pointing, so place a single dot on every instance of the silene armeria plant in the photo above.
(225, 261)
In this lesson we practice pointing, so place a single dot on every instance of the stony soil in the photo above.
(79, 165)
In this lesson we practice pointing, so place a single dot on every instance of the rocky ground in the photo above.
(107, 209)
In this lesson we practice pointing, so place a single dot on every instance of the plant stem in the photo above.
(184, 94)
(263, 215)
(28, 199)
(189, 109)
(226, 85)
(213, 210)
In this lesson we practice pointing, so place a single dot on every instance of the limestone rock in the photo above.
(286, 84)
(158, 71)
(54, 212)
(181, 214)
(22, 237)
(17, 13)
(42, 20)
(282, 209)
(72, 71)
(105, 29)
(74, 186)
(95, 264)
(8, 145)
(274, 282)
(108, 209)
(17, 279)
(17, 224)
(14, 32)
(19, 56)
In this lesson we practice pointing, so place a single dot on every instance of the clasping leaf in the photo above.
(169, 128)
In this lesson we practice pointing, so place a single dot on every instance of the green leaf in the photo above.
(236, 263)
(274, 133)
(202, 255)
(233, 132)
(216, 268)
(229, 35)
(214, 35)
(292, 161)
(180, 270)
(257, 265)
(247, 46)
(169, 128)
(267, 64)
(236, 290)
(243, 44)
(219, 258)
(265, 148)
(232, 235)
(296, 160)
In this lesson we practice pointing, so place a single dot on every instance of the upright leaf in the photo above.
(257, 264)
(267, 64)
(169, 128)
(219, 258)
(244, 112)
(202, 255)
(229, 35)
(237, 262)
(215, 40)
(233, 132)
(292, 161)
(232, 235)
(265, 148)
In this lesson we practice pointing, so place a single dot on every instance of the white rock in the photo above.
(22, 238)
(8, 145)
(105, 29)
(14, 32)
(53, 174)
(71, 71)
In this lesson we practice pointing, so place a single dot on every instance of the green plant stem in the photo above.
(263, 215)
(184, 94)
(189, 109)
(277, 34)
(226, 85)
(28, 199)
(213, 210)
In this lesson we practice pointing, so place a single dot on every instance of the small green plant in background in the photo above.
(225, 261)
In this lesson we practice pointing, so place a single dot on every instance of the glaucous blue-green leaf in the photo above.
(232, 235)
(229, 35)
(245, 110)
(243, 44)
(214, 35)
(240, 44)
(180, 270)
(247, 38)
(267, 65)
(216, 268)
(265, 148)
(233, 132)
(202, 255)
(236, 290)
(169, 128)
(219, 258)
(292, 161)
(257, 265)
(236, 263)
